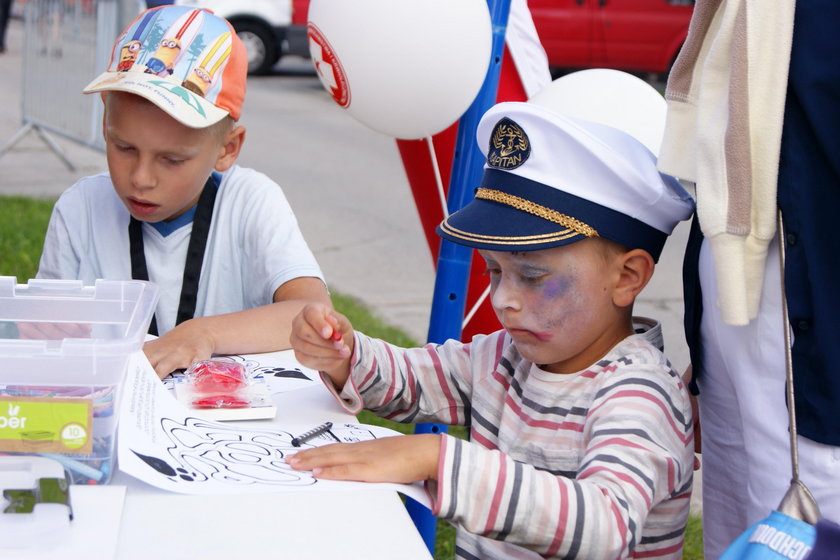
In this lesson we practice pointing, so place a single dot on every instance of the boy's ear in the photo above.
(230, 148)
(635, 269)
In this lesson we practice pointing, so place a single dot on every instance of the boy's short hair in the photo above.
(550, 180)
(187, 61)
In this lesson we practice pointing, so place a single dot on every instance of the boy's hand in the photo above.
(179, 348)
(400, 459)
(53, 331)
(323, 339)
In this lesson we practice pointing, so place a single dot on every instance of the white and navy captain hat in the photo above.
(551, 180)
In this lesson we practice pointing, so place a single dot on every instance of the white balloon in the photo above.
(406, 68)
(609, 97)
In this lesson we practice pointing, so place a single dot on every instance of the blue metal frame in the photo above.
(453, 267)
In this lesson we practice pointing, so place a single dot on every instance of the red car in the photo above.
(642, 36)
(630, 35)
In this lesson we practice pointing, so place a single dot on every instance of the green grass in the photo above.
(693, 548)
(23, 223)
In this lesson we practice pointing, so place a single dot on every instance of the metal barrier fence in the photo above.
(66, 44)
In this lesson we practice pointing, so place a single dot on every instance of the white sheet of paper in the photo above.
(162, 444)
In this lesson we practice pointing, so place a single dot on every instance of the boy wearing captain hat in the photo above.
(581, 438)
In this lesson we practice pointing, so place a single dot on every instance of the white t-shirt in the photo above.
(254, 245)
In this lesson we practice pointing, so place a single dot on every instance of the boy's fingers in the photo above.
(335, 461)
(312, 324)
(341, 472)
(318, 360)
(391, 459)
(323, 320)
(162, 366)
(30, 331)
(335, 328)
(51, 331)
(330, 326)
(336, 471)
(313, 343)
(316, 332)
(165, 359)
(79, 330)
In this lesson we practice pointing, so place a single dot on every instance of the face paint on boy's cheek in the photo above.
(557, 287)
(560, 303)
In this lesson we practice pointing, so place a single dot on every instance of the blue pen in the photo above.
(76, 466)
(325, 427)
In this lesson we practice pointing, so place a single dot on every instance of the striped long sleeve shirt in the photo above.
(595, 464)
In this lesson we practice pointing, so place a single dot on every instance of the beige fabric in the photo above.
(726, 97)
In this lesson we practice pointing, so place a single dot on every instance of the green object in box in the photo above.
(46, 425)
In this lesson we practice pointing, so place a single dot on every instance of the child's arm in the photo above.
(260, 329)
(401, 459)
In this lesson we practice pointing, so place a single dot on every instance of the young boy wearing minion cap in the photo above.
(581, 441)
(220, 241)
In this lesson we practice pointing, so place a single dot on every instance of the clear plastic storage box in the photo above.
(64, 350)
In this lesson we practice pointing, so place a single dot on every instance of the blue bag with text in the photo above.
(776, 537)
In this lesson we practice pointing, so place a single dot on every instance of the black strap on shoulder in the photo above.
(195, 254)
(138, 259)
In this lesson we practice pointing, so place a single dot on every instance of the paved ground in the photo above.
(345, 182)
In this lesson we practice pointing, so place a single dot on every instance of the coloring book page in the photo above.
(161, 443)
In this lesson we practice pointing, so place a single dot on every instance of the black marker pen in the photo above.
(325, 427)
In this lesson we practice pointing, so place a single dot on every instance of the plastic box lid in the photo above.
(116, 312)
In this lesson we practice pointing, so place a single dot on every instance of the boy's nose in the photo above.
(143, 176)
(503, 297)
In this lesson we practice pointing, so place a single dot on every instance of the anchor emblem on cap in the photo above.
(509, 145)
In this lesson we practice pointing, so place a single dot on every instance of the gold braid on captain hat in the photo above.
(537, 210)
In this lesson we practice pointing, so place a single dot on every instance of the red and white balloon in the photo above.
(406, 68)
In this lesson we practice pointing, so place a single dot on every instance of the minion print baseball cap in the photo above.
(552, 179)
(185, 60)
